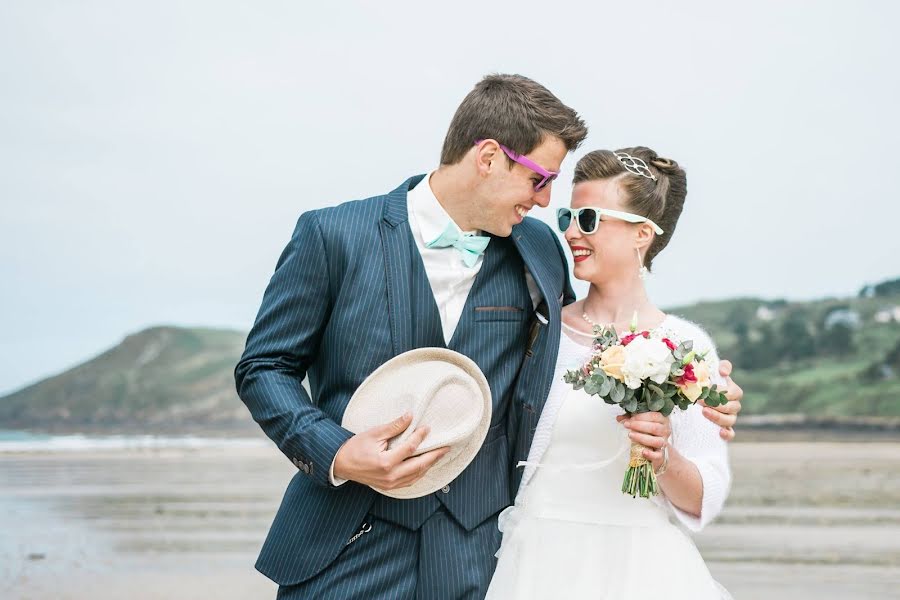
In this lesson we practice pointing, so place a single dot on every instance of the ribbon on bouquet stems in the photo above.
(639, 478)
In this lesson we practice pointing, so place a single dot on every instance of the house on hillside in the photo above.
(888, 314)
(843, 316)
(764, 313)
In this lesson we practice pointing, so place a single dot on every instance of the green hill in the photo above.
(832, 358)
(163, 378)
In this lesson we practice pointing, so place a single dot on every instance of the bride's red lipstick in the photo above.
(579, 258)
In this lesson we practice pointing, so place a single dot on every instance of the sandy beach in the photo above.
(804, 520)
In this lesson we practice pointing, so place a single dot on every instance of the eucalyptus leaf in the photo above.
(656, 403)
(618, 392)
(716, 399)
(667, 407)
(606, 387)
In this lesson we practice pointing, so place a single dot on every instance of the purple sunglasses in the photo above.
(548, 176)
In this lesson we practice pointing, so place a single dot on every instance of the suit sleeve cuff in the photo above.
(335, 481)
(329, 437)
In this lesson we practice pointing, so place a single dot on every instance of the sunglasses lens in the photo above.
(544, 183)
(587, 220)
(564, 219)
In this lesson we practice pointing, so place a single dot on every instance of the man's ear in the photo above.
(486, 153)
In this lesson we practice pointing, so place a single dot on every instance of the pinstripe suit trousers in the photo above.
(439, 561)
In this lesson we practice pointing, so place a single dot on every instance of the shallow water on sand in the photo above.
(804, 520)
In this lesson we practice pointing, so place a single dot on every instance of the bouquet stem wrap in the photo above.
(640, 480)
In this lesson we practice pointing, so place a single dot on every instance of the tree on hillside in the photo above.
(886, 368)
(759, 351)
(796, 339)
(836, 340)
(891, 287)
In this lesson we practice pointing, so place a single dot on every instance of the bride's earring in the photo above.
(642, 272)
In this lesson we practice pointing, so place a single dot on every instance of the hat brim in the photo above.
(448, 468)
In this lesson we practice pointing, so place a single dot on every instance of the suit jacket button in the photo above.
(446, 489)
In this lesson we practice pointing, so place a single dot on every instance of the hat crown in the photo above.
(452, 400)
(442, 389)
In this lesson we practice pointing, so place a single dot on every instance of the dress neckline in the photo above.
(590, 336)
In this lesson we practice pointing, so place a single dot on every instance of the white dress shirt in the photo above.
(451, 280)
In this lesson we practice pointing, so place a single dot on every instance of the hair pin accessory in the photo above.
(635, 165)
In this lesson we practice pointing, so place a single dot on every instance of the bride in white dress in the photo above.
(572, 533)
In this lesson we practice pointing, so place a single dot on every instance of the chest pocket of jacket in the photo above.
(500, 313)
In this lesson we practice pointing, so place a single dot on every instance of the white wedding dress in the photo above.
(572, 532)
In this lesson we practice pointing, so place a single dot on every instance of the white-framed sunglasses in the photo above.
(588, 218)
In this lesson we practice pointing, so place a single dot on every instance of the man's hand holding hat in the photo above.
(366, 458)
(446, 404)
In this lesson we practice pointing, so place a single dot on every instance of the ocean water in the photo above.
(25, 441)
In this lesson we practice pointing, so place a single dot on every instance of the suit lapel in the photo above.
(397, 260)
(538, 262)
(545, 269)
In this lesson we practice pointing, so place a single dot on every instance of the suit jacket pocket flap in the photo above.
(499, 313)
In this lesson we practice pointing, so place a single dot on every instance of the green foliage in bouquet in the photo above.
(677, 389)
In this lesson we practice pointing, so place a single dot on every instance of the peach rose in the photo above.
(693, 389)
(701, 372)
(611, 361)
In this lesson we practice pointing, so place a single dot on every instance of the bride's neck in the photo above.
(616, 302)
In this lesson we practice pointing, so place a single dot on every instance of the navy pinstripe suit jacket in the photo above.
(335, 309)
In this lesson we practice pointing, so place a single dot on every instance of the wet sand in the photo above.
(805, 520)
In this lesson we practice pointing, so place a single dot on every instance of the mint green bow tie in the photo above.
(469, 246)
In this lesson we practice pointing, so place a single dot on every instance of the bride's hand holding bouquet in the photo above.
(646, 374)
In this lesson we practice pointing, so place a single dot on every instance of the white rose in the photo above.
(646, 359)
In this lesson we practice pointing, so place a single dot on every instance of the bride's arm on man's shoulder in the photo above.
(725, 416)
(698, 455)
(699, 476)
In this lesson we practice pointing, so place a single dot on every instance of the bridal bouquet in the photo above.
(644, 372)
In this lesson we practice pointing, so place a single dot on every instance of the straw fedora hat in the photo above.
(440, 388)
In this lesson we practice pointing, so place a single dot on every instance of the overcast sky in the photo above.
(154, 156)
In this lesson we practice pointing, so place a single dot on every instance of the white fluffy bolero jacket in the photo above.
(693, 435)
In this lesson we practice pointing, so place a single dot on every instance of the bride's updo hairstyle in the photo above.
(656, 191)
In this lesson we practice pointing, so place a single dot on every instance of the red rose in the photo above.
(670, 344)
(630, 337)
(688, 376)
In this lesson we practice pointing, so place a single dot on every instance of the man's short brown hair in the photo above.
(514, 110)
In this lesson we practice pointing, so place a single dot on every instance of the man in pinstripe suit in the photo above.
(445, 260)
